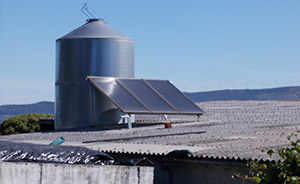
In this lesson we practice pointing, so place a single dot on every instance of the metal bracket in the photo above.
(85, 11)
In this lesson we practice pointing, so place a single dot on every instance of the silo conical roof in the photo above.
(95, 28)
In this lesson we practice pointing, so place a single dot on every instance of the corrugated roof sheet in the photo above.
(228, 130)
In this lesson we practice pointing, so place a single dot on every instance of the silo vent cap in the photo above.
(94, 20)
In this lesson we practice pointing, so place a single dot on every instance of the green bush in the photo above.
(284, 171)
(24, 123)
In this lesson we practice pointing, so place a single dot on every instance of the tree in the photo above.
(24, 123)
(284, 171)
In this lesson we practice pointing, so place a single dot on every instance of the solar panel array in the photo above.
(145, 96)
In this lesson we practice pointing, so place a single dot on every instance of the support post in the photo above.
(129, 122)
(166, 117)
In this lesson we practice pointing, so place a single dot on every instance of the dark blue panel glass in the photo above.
(174, 96)
(147, 96)
(120, 96)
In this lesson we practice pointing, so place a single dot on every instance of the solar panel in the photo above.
(166, 89)
(118, 95)
(139, 96)
(149, 97)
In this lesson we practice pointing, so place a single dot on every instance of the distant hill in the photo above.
(282, 93)
(7, 111)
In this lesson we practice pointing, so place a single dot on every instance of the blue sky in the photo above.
(199, 45)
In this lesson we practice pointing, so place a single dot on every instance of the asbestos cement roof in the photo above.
(236, 130)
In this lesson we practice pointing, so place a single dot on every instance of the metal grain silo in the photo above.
(94, 49)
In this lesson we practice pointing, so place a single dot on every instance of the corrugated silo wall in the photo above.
(77, 103)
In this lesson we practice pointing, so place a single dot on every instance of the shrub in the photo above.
(284, 171)
(24, 123)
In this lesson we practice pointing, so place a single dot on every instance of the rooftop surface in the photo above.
(228, 130)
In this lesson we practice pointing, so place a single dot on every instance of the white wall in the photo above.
(35, 173)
